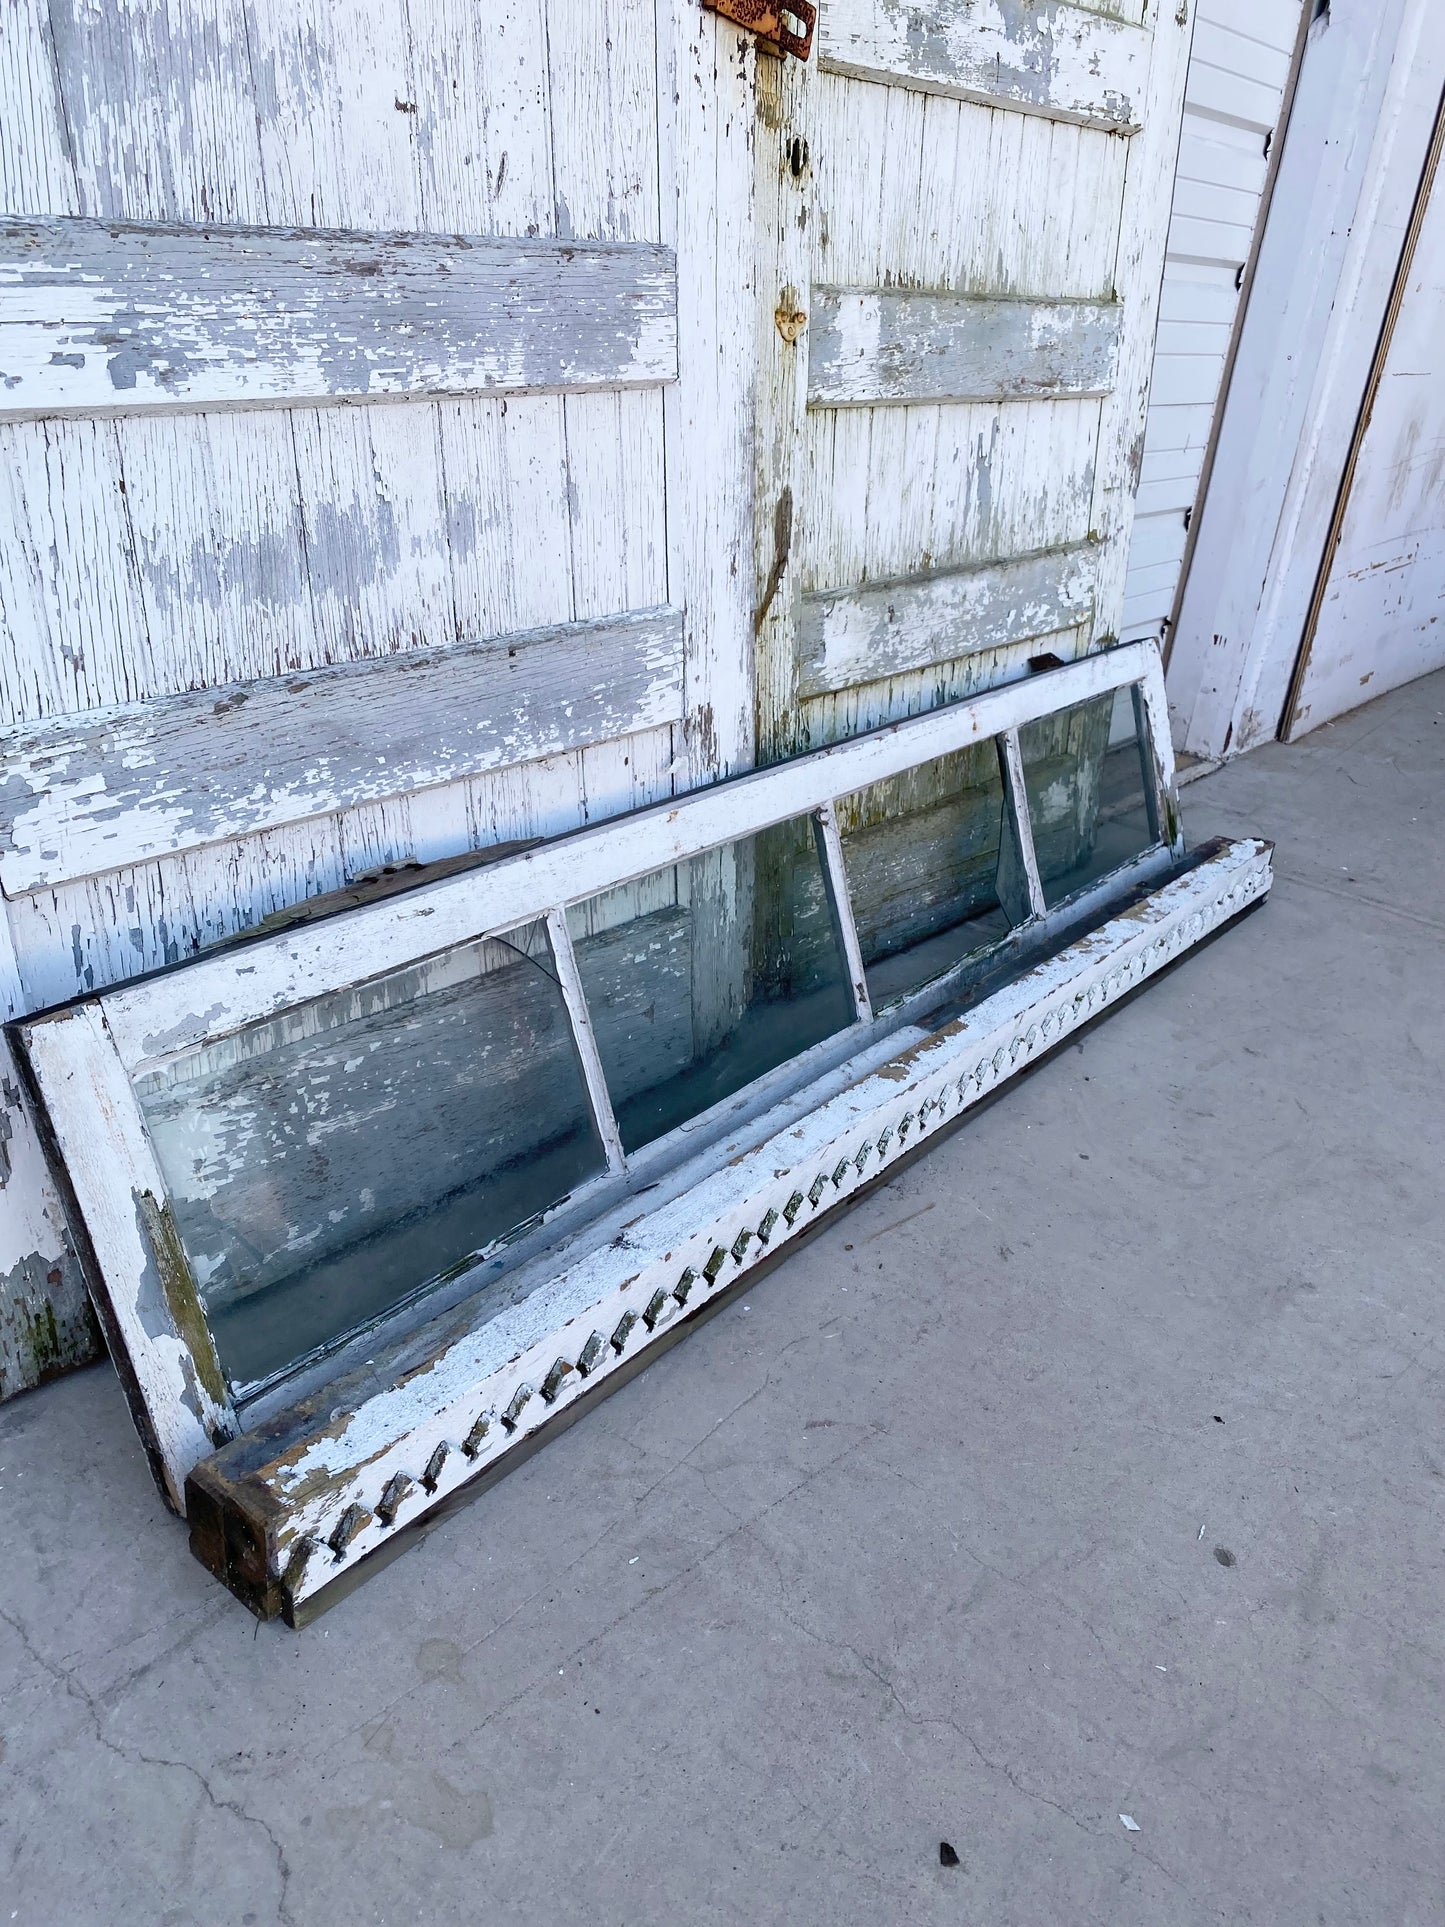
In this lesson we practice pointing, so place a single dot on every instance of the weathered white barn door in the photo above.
(962, 214)
(374, 394)
(426, 426)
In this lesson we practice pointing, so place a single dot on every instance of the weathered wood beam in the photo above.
(893, 345)
(90, 793)
(96, 315)
(1063, 61)
(852, 636)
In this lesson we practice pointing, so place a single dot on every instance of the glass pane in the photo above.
(326, 1165)
(922, 854)
(1084, 777)
(703, 976)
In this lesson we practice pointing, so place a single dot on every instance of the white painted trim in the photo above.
(148, 1302)
(1360, 127)
(1021, 822)
(312, 1509)
(840, 903)
(593, 1075)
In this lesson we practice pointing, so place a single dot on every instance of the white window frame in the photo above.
(84, 1059)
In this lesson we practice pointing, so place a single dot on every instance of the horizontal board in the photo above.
(892, 345)
(82, 795)
(1058, 60)
(855, 636)
(98, 315)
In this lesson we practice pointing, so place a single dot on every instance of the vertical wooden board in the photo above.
(75, 635)
(971, 199)
(483, 117)
(902, 491)
(159, 111)
(1381, 608)
(336, 115)
(603, 69)
(46, 1324)
(223, 573)
(706, 85)
(37, 175)
(785, 507)
(1138, 276)
(375, 521)
(615, 469)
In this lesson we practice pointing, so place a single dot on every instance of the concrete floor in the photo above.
(1092, 1468)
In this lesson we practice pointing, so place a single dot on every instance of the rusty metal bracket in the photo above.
(769, 19)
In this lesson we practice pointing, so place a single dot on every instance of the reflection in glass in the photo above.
(326, 1164)
(922, 854)
(703, 976)
(1085, 771)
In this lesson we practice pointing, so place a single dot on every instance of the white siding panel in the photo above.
(1238, 73)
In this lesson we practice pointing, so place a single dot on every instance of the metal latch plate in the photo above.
(787, 24)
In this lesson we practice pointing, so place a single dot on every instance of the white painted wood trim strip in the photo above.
(895, 345)
(140, 1279)
(593, 1074)
(210, 998)
(85, 794)
(96, 316)
(1150, 166)
(840, 905)
(1021, 821)
(849, 637)
(1061, 61)
(613, 1304)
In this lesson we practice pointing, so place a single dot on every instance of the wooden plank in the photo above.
(861, 635)
(706, 72)
(1061, 61)
(212, 997)
(145, 1292)
(87, 794)
(1138, 276)
(99, 316)
(267, 1512)
(895, 345)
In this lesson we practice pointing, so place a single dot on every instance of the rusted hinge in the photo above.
(787, 24)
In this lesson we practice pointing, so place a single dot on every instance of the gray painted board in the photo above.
(97, 315)
(892, 345)
(856, 636)
(1038, 56)
(92, 793)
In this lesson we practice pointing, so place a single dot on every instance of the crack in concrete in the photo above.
(131, 1755)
